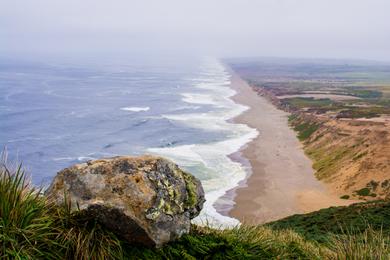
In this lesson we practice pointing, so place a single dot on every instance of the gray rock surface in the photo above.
(147, 199)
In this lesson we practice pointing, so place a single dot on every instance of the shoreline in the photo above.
(225, 203)
(280, 179)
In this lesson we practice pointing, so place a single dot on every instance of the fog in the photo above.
(358, 29)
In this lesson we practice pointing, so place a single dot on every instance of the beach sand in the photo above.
(281, 179)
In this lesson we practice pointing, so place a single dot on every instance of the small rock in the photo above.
(147, 199)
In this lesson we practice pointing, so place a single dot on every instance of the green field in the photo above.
(369, 81)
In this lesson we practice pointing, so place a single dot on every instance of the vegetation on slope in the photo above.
(244, 242)
(304, 102)
(32, 228)
(353, 156)
(343, 109)
(321, 225)
(304, 129)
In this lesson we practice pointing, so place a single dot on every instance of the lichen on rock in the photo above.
(147, 199)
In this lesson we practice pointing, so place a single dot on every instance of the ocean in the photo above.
(55, 114)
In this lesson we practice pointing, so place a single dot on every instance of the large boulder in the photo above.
(147, 200)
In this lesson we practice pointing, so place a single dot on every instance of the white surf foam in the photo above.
(223, 173)
(198, 99)
(135, 109)
(210, 162)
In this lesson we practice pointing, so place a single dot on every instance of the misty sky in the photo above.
(285, 28)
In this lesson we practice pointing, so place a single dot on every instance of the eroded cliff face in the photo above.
(351, 155)
(147, 199)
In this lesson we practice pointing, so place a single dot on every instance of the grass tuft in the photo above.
(370, 244)
(33, 228)
(26, 229)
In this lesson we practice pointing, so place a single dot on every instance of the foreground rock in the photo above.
(146, 200)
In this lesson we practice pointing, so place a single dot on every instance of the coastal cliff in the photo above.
(342, 121)
(352, 156)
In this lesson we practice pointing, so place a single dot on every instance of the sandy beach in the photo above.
(281, 179)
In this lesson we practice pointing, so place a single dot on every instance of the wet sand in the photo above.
(281, 179)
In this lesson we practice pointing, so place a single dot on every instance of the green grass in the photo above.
(245, 242)
(368, 244)
(26, 228)
(303, 128)
(33, 228)
(292, 118)
(363, 192)
(302, 102)
(366, 93)
(325, 162)
(363, 112)
(344, 109)
(321, 225)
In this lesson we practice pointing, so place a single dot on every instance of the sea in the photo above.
(57, 113)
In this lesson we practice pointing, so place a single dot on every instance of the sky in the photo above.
(358, 29)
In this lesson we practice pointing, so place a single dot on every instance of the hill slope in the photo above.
(321, 225)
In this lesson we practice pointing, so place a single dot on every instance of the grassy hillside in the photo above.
(321, 225)
(351, 156)
(32, 228)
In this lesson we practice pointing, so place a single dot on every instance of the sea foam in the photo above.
(210, 161)
(135, 109)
